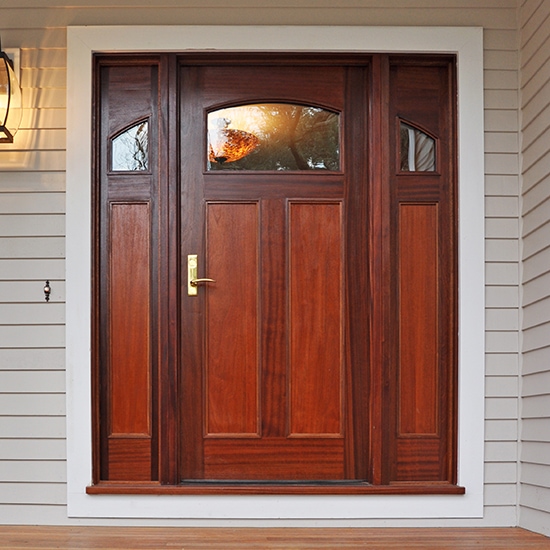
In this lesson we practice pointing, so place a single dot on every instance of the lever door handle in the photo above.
(197, 282)
(192, 280)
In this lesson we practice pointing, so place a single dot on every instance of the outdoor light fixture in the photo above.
(10, 99)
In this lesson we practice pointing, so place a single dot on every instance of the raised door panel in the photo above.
(315, 276)
(232, 320)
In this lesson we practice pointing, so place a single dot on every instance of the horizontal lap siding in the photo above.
(535, 393)
(32, 332)
(32, 206)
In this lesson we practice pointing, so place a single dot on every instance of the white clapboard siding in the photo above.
(32, 336)
(28, 247)
(52, 58)
(32, 359)
(32, 291)
(504, 142)
(46, 139)
(33, 428)
(33, 493)
(501, 228)
(537, 287)
(535, 267)
(42, 118)
(37, 269)
(537, 313)
(503, 364)
(34, 182)
(32, 205)
(43, 78)
(501, 407)
(507, 273)
(22, 225)
(33, 404)
(32, 231)
(195, 13)
(537, 205)
(499, 472)
(502, 186)
(535, 407)
(50, 514)
(32, 449)
(502, 319)
(21, 471)
(497, 451)
(30, 314)
(536, 453)
(536, 360)
(31, 381)
(32, 160)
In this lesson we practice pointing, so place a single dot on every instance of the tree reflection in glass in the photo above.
(289, 137)
(130, 149)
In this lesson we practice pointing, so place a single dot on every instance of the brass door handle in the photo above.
(197, 282)
(192, 280)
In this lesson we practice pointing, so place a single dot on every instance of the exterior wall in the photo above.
(32, 183)
(535, 196)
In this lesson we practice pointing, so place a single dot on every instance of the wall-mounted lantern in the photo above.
(10, 99)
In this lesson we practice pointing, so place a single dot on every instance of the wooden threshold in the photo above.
(287, 488)
(149, 538)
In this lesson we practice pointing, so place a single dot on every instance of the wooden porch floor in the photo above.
(149, 538)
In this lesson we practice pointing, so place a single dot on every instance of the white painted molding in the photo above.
(466, 42)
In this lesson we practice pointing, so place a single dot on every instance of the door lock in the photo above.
(192, 281)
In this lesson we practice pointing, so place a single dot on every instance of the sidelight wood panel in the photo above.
(130, 319)
(232, 379)
(315, 318)
(418, 319)
(422, 375)
(130, 279)
(123, 469)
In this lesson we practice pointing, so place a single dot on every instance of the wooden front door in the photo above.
(324, 348)
(264, 371)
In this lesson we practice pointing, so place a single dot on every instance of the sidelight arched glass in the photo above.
(130, 149)
(417, 150)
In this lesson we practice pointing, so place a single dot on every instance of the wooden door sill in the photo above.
(205, 487)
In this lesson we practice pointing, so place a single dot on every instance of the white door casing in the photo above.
(466, 43)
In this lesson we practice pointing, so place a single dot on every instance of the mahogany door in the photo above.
(265, 378)
(325, 348)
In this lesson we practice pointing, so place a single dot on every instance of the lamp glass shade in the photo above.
(10, 100)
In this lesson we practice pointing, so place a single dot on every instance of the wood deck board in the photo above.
(149, 538)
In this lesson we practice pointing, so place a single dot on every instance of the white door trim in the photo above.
(467, 43)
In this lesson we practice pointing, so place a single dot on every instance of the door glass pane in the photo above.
(273, 136)
(130, 149)
(417, 150)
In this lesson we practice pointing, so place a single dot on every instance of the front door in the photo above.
(275, 268)
(264, 172)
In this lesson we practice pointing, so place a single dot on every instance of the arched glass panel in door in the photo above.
(273, 136)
